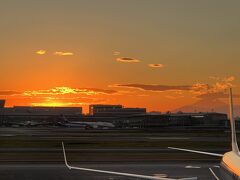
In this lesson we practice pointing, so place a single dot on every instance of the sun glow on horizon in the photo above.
(56, 104)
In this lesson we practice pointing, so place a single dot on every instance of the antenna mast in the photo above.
(232, 122)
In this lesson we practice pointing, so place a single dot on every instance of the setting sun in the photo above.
(174, 61)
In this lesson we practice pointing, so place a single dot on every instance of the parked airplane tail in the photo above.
(232, 122)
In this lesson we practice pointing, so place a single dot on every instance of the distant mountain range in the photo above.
(209, 105)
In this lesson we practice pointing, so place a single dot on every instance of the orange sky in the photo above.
(153, 97)
(160, 55)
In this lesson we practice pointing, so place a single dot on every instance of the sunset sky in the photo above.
(158, 54)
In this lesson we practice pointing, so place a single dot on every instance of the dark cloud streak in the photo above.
(128, 60)
(9, 93)
(155, 87)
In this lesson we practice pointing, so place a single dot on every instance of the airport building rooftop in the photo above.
(29, 110)
(2, 103)
(114, 110)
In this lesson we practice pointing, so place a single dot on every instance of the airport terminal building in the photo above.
(118, 115)
(183, 120)
(18, 114)
(114, 110)
(2, 103)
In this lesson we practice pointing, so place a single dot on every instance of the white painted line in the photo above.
(168, 138)
(7, 135)
(161, 175)
(199, 152)
(192, 167)
(213, 173)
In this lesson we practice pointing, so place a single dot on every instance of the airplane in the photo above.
(230, 163)
(94, 125)
(74, 125)
(86, 124)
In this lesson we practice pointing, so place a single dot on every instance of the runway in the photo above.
(60, 172)
(36, 153)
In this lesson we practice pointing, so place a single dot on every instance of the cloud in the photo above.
(128, 60)
(68, 90)
(56, 104)
(116, 53)
(103, 91)
(214, 78)
(41, 52)
(217, 95)
(229, 79)
(216, 90)
(155, 87)
(68, 101)
(173, 97)
(65, 96)
(196, 89)
(200, 88)
(9, 93)
(156, 65)
(60, 53)
(58, 96)
(221, 84)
